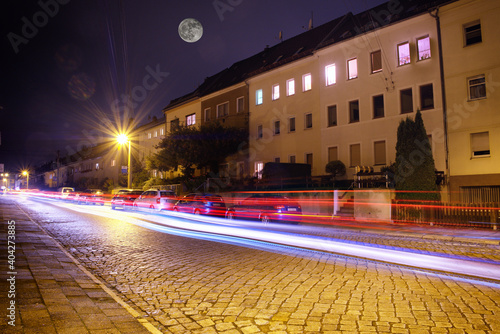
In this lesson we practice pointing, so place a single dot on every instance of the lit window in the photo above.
(156, 133)
(424, 48)
(258, 97)
(477, 87)
(162, 132)
(276, 92)
(332, 115)
(259, 131)
(240, 104)
(404, 53)
(406, 96)
(354, 111)
(191, 119)
(472, 33)
(97, 166)
(330, 74)
(291, 124)
(308, 121)
(355, 152)
(352, 68)
(378, 106)
(376, 61)
(277, 127)
(306, 82)
(206, 113)
(113, 163)
(149, 135)
(259, 166)
(426, 97)
(379, 152)
(223, 109)
(480, 144)
(290, 87)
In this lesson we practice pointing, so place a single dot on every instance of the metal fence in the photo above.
(482, 215)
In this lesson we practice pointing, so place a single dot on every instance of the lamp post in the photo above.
(27, 174)
(122, 140)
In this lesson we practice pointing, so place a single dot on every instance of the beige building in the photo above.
(471, 56)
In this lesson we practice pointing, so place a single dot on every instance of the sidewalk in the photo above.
(47, 291)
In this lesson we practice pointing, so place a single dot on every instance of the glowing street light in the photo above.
(27, 174)
(122, 140)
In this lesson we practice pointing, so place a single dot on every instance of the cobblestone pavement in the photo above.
(187, 285)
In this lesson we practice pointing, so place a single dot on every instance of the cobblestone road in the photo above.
(186, 285)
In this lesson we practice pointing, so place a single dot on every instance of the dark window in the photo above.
(406, 101)
(378, 106)
(291, 123)
(332, 115)
(277, 127)
(174, 124)
(309, 159)
(309, 121)
(376, 60)
(472, 33)
(259, 131)
(426, 97)
(477, 88)
(292, 159)
(354, 111)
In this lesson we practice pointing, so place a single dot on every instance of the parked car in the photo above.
(266, 207)
(156, 199)
(66, 193)
(90, 196)
(201, 203)
(125, 198)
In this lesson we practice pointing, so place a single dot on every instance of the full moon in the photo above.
(190, 30)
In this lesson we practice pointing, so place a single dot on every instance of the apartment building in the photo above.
(471, 63)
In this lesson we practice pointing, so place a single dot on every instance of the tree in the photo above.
(189, 147)
(415, 175)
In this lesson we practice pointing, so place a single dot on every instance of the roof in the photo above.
(305, 44)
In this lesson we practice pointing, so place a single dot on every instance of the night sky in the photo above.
(74, 70)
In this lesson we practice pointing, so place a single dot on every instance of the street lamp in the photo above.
(27, 174)
(122, 140)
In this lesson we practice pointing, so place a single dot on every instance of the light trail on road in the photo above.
(227, 231)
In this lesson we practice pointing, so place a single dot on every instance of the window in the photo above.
(113, 163)
(259, 131)
(277, 160)
(309, 159)
(97, 166)
(480, 144)
(378, 106)
(426, 97)
(424, 48)
(355, 152)
(292, 159)
(330, 74)
(472, 33)
(259, 166)
(162, 132)
(222, 109)
(191, 119)
(308, 121)
(306, 82)
(406, 101)
(379, 152)
(333, 153)
(174, 124)
(353, 111)
(290, 87)
(276, 127)
(332, 115)
(477, 87)
(352, 68)
(240, 104)
(258, 97)
(206, 113)
(291, 124)
(276, 92)
(376, 61)
(149, 135)
(403, 53)
(156, 133)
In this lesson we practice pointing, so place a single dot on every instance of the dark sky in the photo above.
(70, 65)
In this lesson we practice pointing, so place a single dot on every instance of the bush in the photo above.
(336, 168)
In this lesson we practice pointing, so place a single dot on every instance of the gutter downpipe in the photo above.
(443, 97)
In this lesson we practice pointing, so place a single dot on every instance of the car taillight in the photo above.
(158, 200)
(279, 207)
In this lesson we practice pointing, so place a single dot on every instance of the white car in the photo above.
(156, 200)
